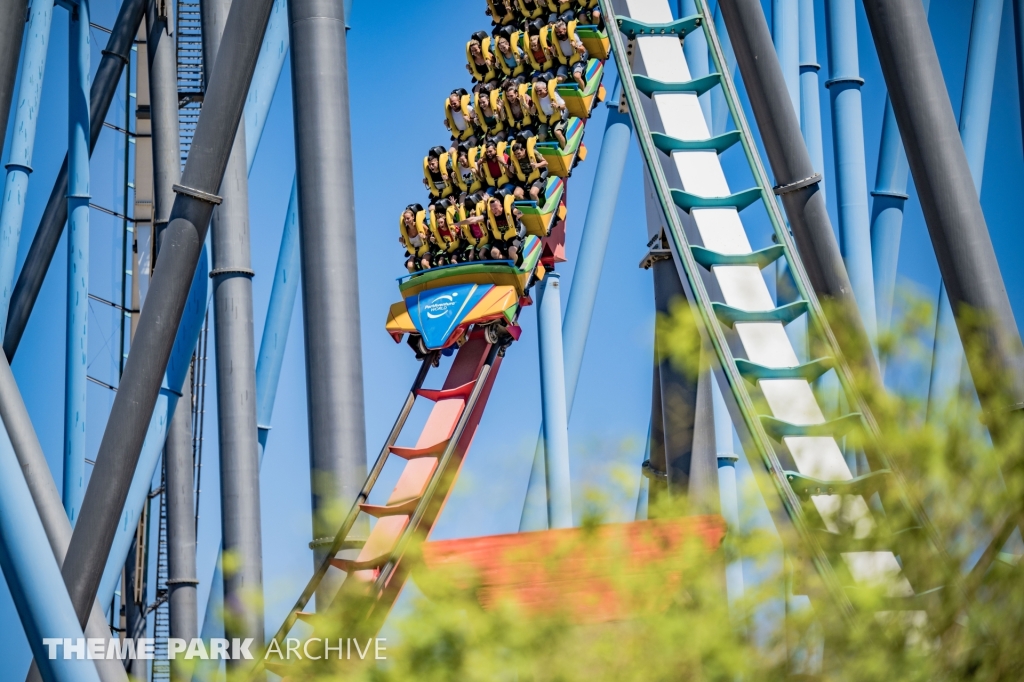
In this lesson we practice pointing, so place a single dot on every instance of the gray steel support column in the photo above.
(791, 163)
(154, 336)
(44, 244)
(48, 503)
(330, 285)
(12, 27)
(163, 104)
(181, 524)
(949, 200)
(236, 377)
(178, 472)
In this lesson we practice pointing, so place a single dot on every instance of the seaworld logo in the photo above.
(440, 306)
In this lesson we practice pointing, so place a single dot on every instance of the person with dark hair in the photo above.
(569, 51)
(530, 170)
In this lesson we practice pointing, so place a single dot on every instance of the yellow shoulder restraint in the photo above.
(570, 35)
(467, 230)
(541, 116)
(442, 167)
(508, 230)
(531, 145)
(464, 109)
(447, 244)
(421, 229)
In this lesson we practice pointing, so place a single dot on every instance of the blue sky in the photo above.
(397, 87)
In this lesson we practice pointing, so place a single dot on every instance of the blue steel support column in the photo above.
(33, 576)
(786, 36)
(1018, 33)
(552, 395)
(19, 164)
(725, 442)
(810, 102)
(848, 140)
(890, 196)
(264, 80)
(78, 261)
(695, 49)
(586, 278)
(719, 107)
(975, 111)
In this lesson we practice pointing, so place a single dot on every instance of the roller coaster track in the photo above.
(855, 547)
(379, 570)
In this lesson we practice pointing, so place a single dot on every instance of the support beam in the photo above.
(844, 86)
(786, 36)
(178, 461)
(77, 321)
(33, 576)
(44, 244)
(19, 163)
(236, 377)
(791, 163)
(975, 112)
(695, 49)
(586, 279)
(810, 102)
(719, 107)
(154, 337)
(330, 283)
(553, 401)
(952, 210)
(12, 27)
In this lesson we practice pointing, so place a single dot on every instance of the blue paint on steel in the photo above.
(725, 442)
(695, 49)
(553, 406)
(810, 102)
(848, 140)
(579, 309)
(33, 577)
(719, 107)
(438, 312)
(279, 320)
(975, 111)
(23, 137)
(265, 78)
(77, 326)
(170, 390)
(889, 199)
(786, 36)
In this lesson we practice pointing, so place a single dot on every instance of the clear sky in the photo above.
(403, 58)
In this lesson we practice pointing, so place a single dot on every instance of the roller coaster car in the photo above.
(538, 219)
(442, 303)
(561, 160)
(595, 41)
(581, 102)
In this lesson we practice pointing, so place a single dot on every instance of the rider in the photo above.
(465, 174)
(459, 117)
(436, 169)
(519, 109)
(474, 232)
(490, 111)
(530, 168)
(502, 219)
(508, 56)
(446, 238)
(568, 49)
(413, 236)
(535, 46)
(493, 165)
(480, 61)
(551, 110)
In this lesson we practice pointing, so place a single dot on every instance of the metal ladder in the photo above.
(190, 72)
(412, 507)
(851, 544)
